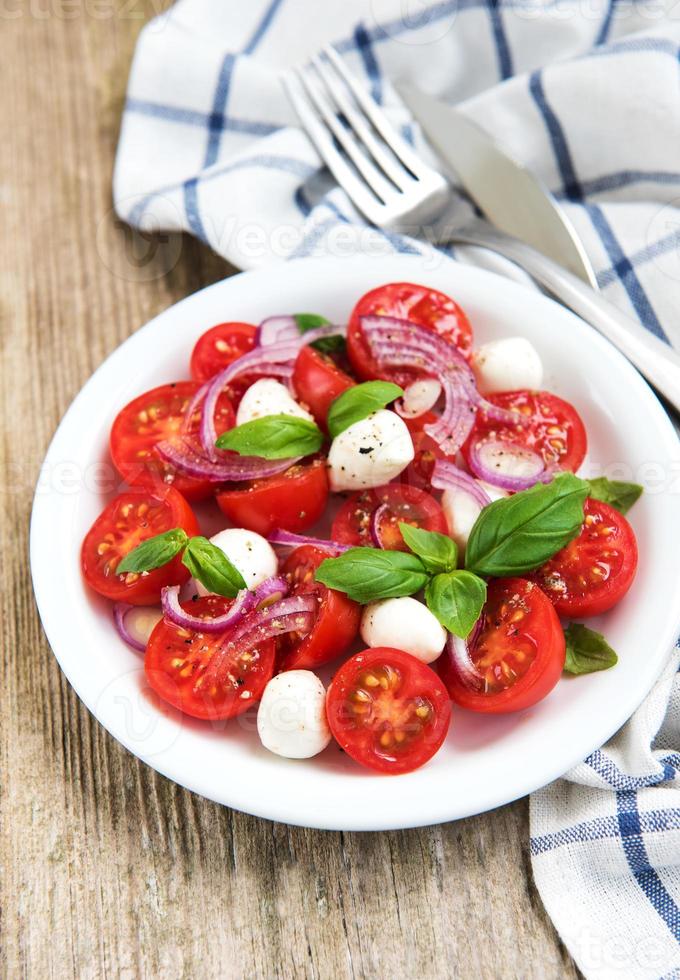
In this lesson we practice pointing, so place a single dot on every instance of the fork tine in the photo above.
(320, 137)
(399, 146)
(375, 180)
(388, 163)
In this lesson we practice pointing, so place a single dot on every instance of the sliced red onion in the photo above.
(286, 539)
(447, 476)
(229, 468)
(174, 613)
(419, 397)
(276, 330)
(374, 527)
(295, 613)
(505, 465)
(458, 652)
(135, 623)
(276, 587)
(499, 414)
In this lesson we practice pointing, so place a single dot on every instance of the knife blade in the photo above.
(512, 198)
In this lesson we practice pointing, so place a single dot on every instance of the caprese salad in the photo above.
(383, 481)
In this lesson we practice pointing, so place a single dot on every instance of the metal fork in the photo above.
(395, 190)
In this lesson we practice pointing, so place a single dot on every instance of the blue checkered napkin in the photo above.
(588, 96)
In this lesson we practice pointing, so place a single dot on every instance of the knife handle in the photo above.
(655, 360)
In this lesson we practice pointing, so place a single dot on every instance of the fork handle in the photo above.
(655, 360)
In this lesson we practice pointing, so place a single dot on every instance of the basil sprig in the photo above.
(273, 437)
(456, 599)
(616, 493)
(205, 561)
(438, 552)
(359, 402)
(368, 574)
(154, 552)
(587, 651)
(326, 345)
(519, 533)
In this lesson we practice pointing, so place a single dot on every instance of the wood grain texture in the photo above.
(109, 870)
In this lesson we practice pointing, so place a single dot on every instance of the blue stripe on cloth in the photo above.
(624, 178)
(636, 854)
(502, 48)
(192, 209)
(619, 780)
(192, 117)
(371, 67)
(627, 274)
(668, 244)
(603, 33)
(651, 822)
(221, 96)
(643, 45)
(572, 188)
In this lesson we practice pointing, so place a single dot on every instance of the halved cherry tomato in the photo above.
(218, 347)
(318, 381)
(128, 520)
(177, 658)
(294, 500)
(159, 415)
(518, 653)
(555, 429)
(337, 621)
(388, 710)
(595, 570)
(406, 301)
(352, 524)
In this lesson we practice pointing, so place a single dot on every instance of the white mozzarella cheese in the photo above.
(249, 552)
(461, 511)
(405, 624)
(505, 365)
(370, 452)
(268, 397)
(291, 718)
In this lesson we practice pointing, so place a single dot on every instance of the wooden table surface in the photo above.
(109, 870)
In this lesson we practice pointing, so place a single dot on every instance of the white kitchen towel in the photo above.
(587, 94)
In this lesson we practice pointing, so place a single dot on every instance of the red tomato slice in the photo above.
(352, 524)
(518, 653)
(176, 660)
(406, 301)
(294, 500)
(128, 520)
(427, 452)
(555, 429)
(159, 415)
(595, 570)
(218, 347)
(387, 710)
(337, 621)
(318, 381)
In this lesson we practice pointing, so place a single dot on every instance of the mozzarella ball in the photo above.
(291, 718)
(505, 365)
(249, 552)
(461, 511)
(370, 452)
(268, 397)
(405, 624)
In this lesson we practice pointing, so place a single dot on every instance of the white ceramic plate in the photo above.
(485, 761)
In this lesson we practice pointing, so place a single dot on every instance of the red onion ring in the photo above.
(458, 653)
(230, 468)
(447, 476)
(487, 456)
(286, 539)
(374, 526)
(244, 603)
(276, 330)
(127, 630)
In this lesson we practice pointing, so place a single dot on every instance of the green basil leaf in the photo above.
(273, 437)
(587, 651)
(438, 552)
(519, 533)
(154, 552)
(326, 345)
(366, 574)
(359, 402)
(616, 493)
(456, 599)
(212, 568)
